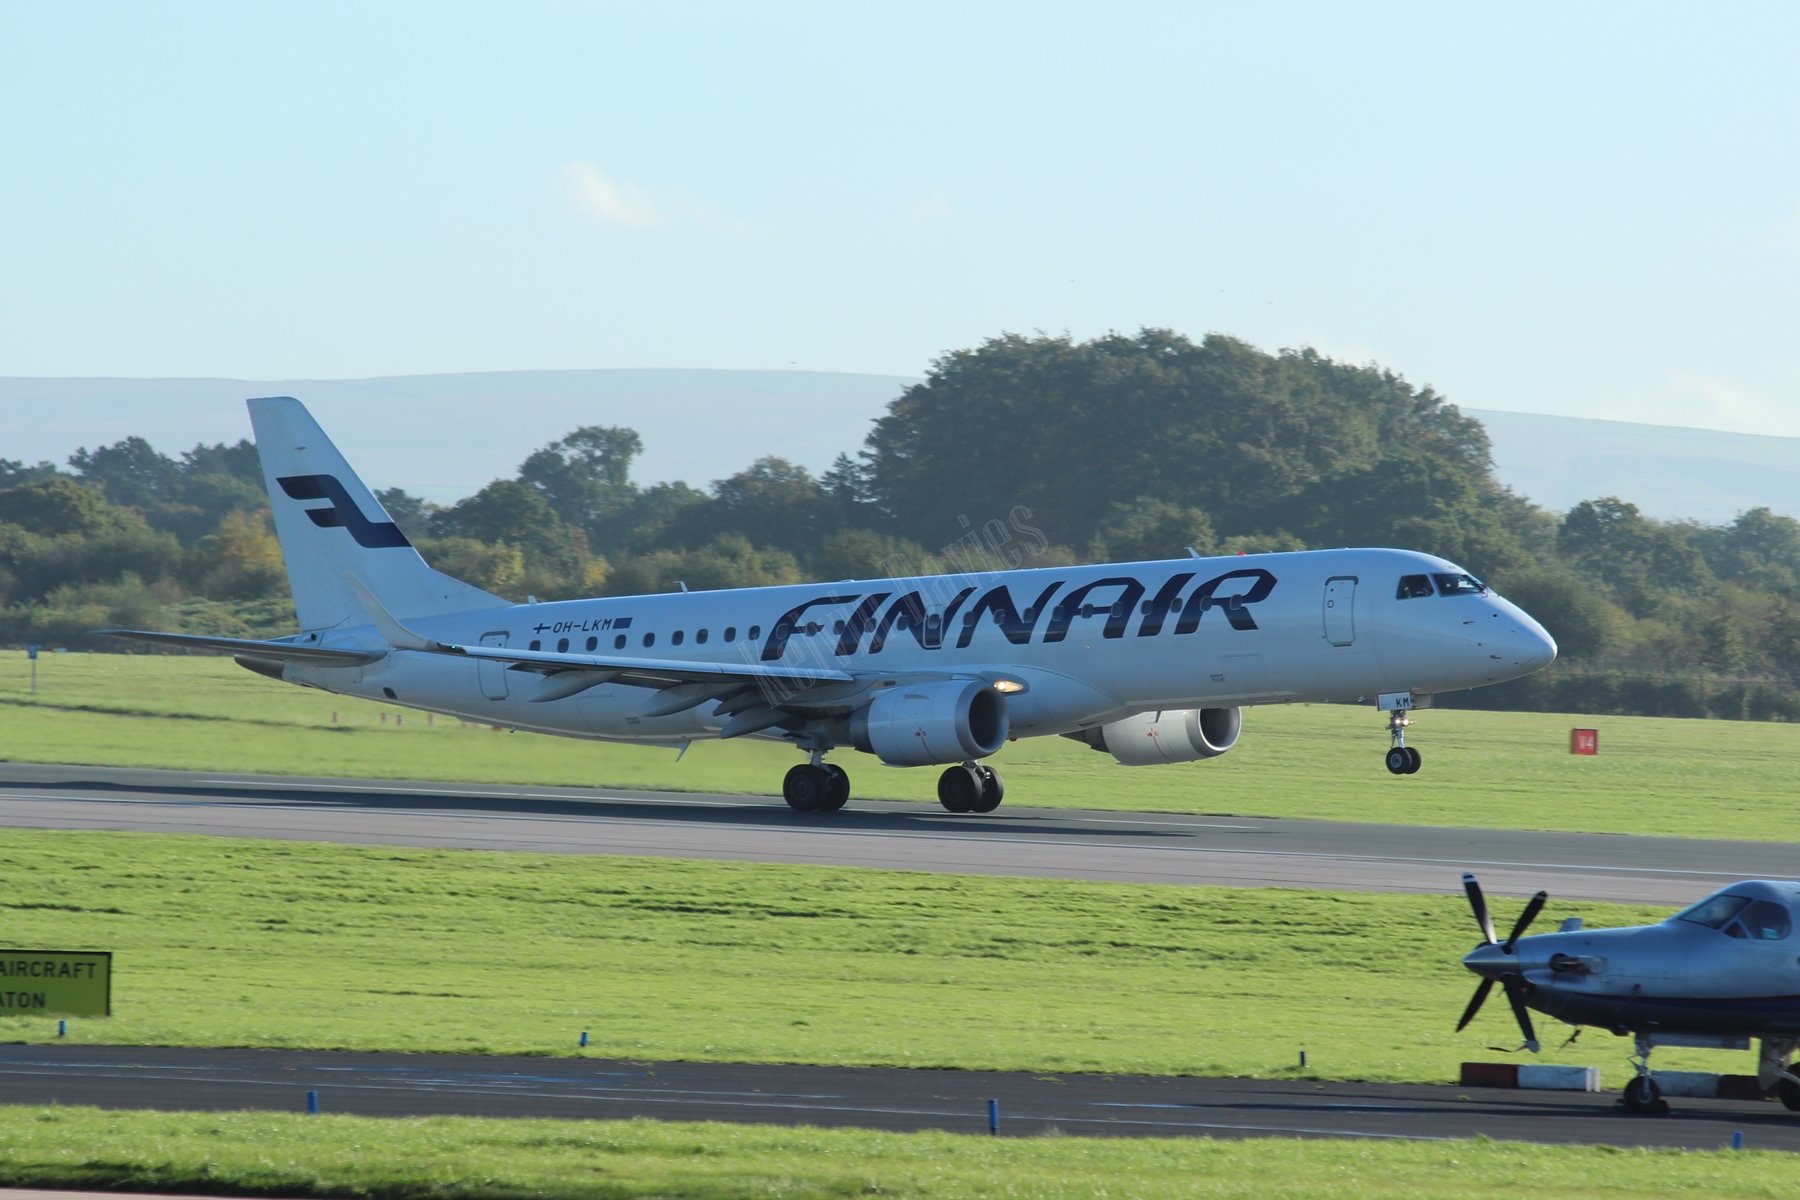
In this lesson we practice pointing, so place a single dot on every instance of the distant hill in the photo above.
(1667, 471)
(446, 436)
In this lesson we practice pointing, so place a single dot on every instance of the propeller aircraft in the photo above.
(1714, 975)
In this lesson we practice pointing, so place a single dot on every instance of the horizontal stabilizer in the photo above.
(318, 656)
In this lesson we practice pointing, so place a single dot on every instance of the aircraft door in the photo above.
(1340, 610)
(492, 674)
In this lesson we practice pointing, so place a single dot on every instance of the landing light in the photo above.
(1008, 686)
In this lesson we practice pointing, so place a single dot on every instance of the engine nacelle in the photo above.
(917, 724)
(1170, 736)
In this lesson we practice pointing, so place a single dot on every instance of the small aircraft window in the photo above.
(1059, 614)
(755, 632)
(593, 643)
(675, 638)
(619, 642)
(562, 645)
(731, 633)
(1175, 604)
(1459, 585)
(535, 646)
(649, 639)
(1030, 616)
(1145, 608)
(1714, 911)
(1767, 922)
(1413, 586)
(1087, 612)
(700, 637)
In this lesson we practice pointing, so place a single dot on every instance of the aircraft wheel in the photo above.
(806, 788)
(993, 790)
(960, 789)
(838, 794)
(1643, 1096)
(1398, 760)
(1789, 1093)
(1412, 761)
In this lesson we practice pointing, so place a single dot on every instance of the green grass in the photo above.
(1677, 777)
(266, 1154)
(228, 942)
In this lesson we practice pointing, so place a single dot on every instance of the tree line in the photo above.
(1023, 451)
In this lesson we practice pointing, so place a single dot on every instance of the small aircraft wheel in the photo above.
(806, 788)
(1413, 759)
(1398, 760)
(1643, 1096)
(993, 790)
(838, 794)
(1789, 1093)
(960, 788)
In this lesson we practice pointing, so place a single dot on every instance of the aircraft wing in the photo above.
(689, 683)
(317, 656)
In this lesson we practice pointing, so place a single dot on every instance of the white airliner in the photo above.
(1150, 662)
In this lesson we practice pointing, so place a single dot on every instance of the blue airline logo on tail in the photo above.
(343, 513)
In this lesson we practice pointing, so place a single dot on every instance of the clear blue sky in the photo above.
(1591, 210)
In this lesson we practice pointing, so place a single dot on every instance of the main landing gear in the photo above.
(817, 786)
(1402, 759)
(971, 788)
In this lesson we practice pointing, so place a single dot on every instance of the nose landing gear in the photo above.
(1641, 1093)
(1402, 759)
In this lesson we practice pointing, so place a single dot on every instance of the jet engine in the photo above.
(1169, 736)
(914, 724)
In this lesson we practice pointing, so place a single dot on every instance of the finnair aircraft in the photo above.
(1151, 662)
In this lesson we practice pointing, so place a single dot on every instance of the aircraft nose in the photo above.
(1539, 649)
(1490, 961)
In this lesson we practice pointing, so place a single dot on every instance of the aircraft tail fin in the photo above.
(332, 527)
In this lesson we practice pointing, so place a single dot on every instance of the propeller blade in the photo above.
(1526, 918)
(1516, 986)
(1481, 995)
(1479, 904)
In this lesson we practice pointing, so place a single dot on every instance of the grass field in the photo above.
(241, 943)
(268, 1154)
(1513, 770)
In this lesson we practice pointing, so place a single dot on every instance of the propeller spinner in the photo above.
(1516, 985)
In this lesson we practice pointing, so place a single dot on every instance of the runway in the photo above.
(391, 1085)
(1054, 843)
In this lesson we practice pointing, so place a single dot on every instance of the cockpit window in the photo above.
(1714, 911)
(1459, 585)
(1763, 922)
(1413, 586)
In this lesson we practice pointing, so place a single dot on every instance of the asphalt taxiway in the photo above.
(393, 1085)
(1057, 843)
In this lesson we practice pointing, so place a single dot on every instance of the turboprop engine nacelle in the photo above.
(913, 724)
(1169, 736)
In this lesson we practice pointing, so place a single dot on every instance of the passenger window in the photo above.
(1459, 585)
(592, 642)
(755, 632)
(535, 646)
(562, 645)
(1413, 586)
(731, 633)
(676, 638)
(649, 639)
(619, 642)
(700, 637)
(1767, 922)
(1714, 911)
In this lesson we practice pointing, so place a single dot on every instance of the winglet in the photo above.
(397, 635)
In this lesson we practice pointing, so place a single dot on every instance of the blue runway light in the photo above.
(312, 1103)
